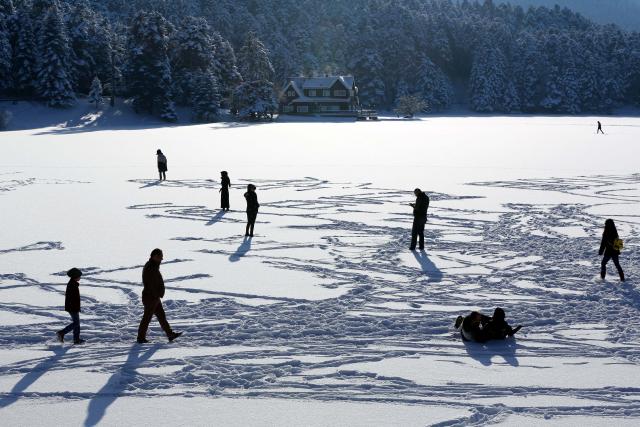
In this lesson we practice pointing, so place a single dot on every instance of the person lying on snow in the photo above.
(480, 328)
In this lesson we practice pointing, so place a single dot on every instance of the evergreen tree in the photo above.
(254, 60)
(95, 94)
(6, 8)
(5, 56)
(433, 86)
(369, 71)
(254, 99)
(206, 97)
(227, 72)
(79, 24)
(24, 55)
(148, 69)
(54, 83)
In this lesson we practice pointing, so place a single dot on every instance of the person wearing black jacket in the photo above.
(72, 306)
(609, 236)
(420, 208)
(480, 328)
(252, 209)
(152, 292)
(162, 165)
(224, 190)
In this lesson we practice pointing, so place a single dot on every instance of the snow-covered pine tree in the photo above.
(53, 82)
(206, 97)
(95, 94)
(254, 60)
(433, 86)
(79, 24)
(254, 99)
(488, 80)
(368, 70)
(5, 56)
(228, 75)
(24, 55)
(148, 70)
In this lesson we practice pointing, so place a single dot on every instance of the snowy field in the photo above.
(324, 317)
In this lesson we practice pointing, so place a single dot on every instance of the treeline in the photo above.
(54, 51)
(491, 57)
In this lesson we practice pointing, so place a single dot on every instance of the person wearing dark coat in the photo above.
(252, 208)
(609, 250)
(599, 128)
(480, 328)
(162, 165)
(420, 208)
(152, 292)
(497, 328)
(72, 306)
(224, 190)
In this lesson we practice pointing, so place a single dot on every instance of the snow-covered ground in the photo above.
(325, 317)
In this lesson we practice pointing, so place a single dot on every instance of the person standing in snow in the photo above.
(599, 128)
(152, 293)
(610, 246)
(162, 165)
(420, 208)
(72, 306)
(252, 209)
(224, 190)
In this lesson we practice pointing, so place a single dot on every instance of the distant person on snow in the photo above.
(480, 328)
(610, 246)
(224, 190)
(162, 165)
(599, 128)
(420, 208)
(252, 209)
(152, 292)
(72, 306)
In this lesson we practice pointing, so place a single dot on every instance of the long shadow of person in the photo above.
(117, 383)
(217, 217)
(33, 375)
(428, 267)
(484, 352)
(241, 251)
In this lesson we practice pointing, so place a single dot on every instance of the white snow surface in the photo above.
(324, 317)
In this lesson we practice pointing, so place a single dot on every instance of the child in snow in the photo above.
(162, 165)
(610, 246)
(480, 328)
(72, 306)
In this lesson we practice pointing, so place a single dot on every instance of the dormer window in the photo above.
(312, 92)
(291, 93)
(340, 93)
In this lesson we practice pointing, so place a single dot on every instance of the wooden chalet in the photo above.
(330, 95)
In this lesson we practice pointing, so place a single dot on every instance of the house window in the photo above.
(341, 93)
(326, 92)
(312, 92)
(303, 108)
(291, 93)
(288, 109)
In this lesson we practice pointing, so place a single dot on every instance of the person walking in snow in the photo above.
(252, 209)
(224, 190)
(152, 293)
(72, 306)
(420, 208)
(610, 247)
(599, 128)
(162, 165)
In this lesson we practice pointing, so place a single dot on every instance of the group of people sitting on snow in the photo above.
(480, 328)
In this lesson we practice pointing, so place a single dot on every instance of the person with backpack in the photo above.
(610, 247)
(72, 306)
(152, 293)
(224, 190)
(162, 165)
(420, 208)
(252, 209)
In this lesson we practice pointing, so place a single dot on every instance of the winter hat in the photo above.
(224, 173)
(498, 314)
(159, 151)
(251, 187)
(74, 273)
